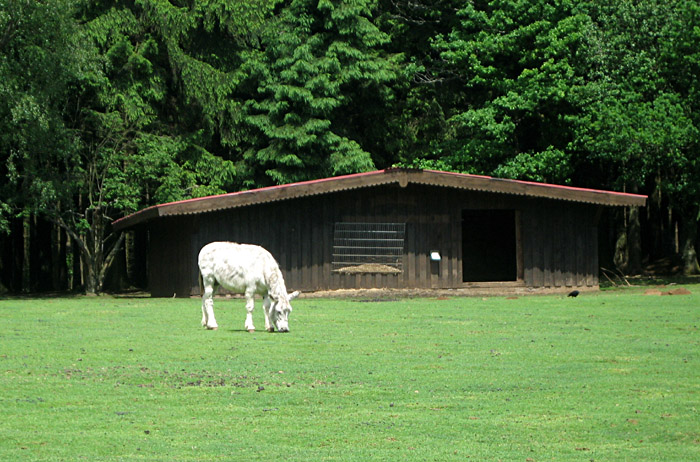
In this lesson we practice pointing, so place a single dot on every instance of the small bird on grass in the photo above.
(573, 293)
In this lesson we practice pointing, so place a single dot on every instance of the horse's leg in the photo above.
(266, 308)
(204, 310)
(208, 319)
(249, 306)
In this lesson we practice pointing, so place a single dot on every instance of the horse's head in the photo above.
(280, 309)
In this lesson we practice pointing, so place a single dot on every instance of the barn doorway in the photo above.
(489, 245)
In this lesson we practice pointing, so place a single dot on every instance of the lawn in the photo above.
(613, 375)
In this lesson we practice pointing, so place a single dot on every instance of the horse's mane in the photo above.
(274, 280)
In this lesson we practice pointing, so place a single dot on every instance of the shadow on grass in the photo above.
(645, 280)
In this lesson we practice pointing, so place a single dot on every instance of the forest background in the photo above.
(107, 107)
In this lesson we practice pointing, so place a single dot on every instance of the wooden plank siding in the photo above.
(562, 250)
(556, 241)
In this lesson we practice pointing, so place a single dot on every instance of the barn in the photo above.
(394, 228)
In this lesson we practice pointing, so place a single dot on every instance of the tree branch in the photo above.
(71, 232)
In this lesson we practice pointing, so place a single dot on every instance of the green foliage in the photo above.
(634, 124)
(34, 45)
(605, 376)
(424, 90)
(516, 65)
(147, 158)
(540, 166)
(279, 90)
(322, 62)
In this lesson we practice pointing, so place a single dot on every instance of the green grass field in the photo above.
(607, 376)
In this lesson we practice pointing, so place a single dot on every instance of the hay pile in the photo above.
(369, 268)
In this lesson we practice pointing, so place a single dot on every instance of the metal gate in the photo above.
(368, 247)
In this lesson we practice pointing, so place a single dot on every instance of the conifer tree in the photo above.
(285, 89)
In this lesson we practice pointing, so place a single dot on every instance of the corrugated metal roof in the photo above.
(399, 176)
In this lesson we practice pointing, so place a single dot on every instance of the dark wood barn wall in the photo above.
(560, 244)
(558, 240)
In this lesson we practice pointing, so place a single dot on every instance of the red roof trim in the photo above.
(547, 185)
(268, 188)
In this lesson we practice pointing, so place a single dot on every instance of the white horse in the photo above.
(247, 269)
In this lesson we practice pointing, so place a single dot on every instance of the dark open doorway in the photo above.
(489, 245)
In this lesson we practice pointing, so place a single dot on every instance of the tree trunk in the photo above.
(70, 263)
(3, 263)
(621, 257)
(688, 237)
(628, 246)
(26, 254)
(634, 241)
(620, 253)
(89, 276)
(90, 251)
(129, 256)
(58, 260)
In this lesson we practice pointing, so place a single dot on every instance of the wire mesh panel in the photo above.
(368, 247)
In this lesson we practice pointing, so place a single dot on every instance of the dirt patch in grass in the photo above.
(663, 291)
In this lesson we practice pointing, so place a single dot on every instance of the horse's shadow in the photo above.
(245, 331)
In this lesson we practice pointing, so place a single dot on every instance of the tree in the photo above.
(516, 69)
(425, 90)
(109, 107)
(323, 68)
(32, 82)
(287, 91)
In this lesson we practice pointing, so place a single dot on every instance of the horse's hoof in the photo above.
(212, 328)
(251, 330)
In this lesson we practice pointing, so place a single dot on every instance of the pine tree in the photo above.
(283, 90)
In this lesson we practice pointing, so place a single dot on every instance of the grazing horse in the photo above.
(247, 269)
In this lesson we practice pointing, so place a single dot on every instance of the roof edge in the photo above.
(543, 190)
(400, 176)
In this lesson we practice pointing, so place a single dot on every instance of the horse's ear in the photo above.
(294, 295)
